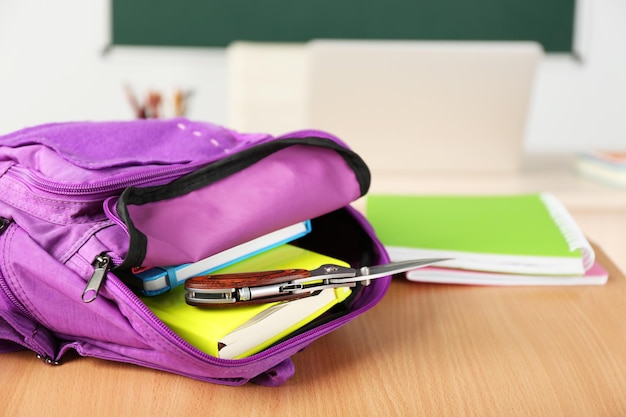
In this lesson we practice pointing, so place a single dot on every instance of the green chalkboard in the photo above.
(219, 22)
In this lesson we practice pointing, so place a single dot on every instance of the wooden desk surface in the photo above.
(426, 350)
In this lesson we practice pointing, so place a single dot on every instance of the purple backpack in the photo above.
(139, 192)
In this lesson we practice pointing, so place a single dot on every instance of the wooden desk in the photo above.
(426, 350)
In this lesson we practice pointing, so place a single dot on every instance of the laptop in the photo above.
(418, 106)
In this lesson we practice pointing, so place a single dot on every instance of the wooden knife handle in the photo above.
(245, 279)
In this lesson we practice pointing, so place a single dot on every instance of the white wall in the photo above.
(52, 69)
(582, 105)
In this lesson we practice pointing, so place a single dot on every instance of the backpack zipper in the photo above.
(102, 267)
(104, 187)
(181, 343)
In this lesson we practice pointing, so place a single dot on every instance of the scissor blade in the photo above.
(373, 272)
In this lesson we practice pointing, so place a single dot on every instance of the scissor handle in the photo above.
(245, 279)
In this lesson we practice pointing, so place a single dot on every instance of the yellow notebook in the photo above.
(238, 332)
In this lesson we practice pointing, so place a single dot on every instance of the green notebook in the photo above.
(524, 234)
(238, 332)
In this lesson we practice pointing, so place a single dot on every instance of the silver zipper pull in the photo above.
(97, 278)
(4, 224)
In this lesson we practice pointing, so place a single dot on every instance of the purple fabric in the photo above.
(55, 174)
(295, 184)
(58, 186)
(96, 151)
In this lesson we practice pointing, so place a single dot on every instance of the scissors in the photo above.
(287, 284)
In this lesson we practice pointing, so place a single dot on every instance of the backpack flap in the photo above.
(236, 199)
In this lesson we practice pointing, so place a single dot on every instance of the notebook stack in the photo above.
(528, 239)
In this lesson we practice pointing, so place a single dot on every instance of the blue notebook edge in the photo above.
(161, 279)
